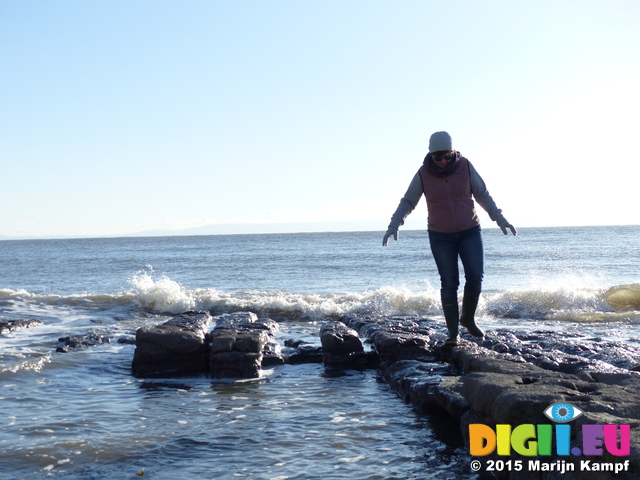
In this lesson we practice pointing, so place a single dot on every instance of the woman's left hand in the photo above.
(510, 227)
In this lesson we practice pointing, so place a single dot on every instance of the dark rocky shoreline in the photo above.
(511, 378)
(507, 378)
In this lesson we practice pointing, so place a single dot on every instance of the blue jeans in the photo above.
(446, 248)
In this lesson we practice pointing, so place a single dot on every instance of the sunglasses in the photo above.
(439, 156)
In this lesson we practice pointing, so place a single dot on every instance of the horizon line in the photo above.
(275, 229)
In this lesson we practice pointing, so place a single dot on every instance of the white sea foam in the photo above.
(565, 301)
(558, 300)
(35, 364)
(161, 295)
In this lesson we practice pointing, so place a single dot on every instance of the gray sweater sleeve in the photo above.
(481, 195)
(408, 202)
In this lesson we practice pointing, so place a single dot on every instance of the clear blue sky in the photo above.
(122, 116)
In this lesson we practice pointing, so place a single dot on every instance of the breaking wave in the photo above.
(164, 296)
(618, 303)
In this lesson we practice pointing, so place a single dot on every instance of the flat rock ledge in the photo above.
(510, 378)
(179, 346)
(235, 345)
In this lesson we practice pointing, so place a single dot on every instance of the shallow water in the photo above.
(83, 419)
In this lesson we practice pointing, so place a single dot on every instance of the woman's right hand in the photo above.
(390, 232)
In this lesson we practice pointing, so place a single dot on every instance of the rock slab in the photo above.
(343, 348)
(238, 343)
(178, 347)
(239, 346)
(72, 342)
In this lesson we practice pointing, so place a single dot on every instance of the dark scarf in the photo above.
(443, 172)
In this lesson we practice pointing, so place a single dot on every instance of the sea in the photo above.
(83, 415)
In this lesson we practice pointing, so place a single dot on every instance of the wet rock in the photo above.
(81, 341)
(298, 351)
(237, 345)
(489, 395)
(294, 343)
(343, 348)
(272, 354)
(394, 339)
(7, 326)
(177, 347)
(427, 386)
(337, 338)
(236, 365)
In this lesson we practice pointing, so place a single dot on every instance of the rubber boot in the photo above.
(469, 305)
(450, 309)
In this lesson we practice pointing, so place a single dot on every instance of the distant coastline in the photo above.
(248, 228)
(276, 228)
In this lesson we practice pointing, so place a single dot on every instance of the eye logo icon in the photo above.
(562, 412)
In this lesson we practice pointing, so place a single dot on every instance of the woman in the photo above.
(450, 184)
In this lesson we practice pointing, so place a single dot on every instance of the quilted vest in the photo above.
(449, 201)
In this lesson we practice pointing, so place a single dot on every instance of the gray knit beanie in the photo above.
(440, 141)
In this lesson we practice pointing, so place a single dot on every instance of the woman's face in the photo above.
(442, 158)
